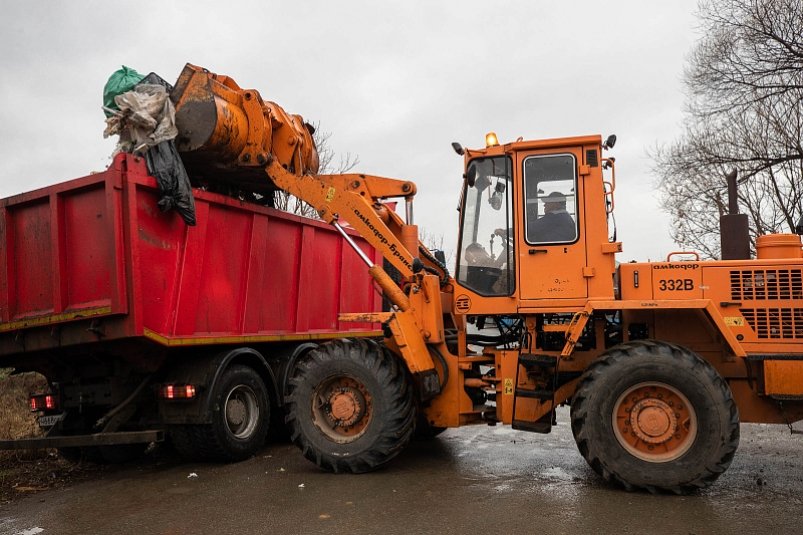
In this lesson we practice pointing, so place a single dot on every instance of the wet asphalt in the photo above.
(471, 480)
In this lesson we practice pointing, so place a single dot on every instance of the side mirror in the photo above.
(458, 148)
(471, 175)
(610, 142)
(496, 199)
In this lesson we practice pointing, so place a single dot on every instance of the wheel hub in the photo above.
(346, 406)
(241, 411)
(654, 422)
(235, 412)
(342, 408)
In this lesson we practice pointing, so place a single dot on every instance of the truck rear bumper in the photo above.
(97, 439)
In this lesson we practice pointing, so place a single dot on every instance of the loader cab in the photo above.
(534, 227)
(553, 246)
(486, 263)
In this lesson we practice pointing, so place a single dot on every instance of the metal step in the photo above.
(544, 425)
(534, 359)
(544, 395)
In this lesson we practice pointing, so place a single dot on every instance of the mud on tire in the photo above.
(349, 406)
(655, 416)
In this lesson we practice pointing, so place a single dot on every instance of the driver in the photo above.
(493, 280)
(476, 255)
(556, 225)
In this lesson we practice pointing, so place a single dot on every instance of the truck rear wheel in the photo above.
(240, 420)
(349, 406)
(655, 416)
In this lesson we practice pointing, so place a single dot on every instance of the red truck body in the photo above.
(112, 299)
(99, 247)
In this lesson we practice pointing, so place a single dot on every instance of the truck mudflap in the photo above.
(96, 439)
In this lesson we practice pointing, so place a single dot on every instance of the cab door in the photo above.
(552, 251)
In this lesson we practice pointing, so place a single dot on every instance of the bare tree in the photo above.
(744, 112)
(752, 50)
(330, 163)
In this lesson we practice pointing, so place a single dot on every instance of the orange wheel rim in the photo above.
(342, 408)
(654, 422)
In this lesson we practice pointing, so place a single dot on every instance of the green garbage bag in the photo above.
(119, 82)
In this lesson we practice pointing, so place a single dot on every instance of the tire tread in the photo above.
(630, 350)
(398, 421)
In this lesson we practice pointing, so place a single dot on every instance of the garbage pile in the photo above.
(139, 110)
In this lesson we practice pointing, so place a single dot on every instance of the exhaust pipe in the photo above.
(734, 233)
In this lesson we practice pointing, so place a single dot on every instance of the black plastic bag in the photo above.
(166, 166)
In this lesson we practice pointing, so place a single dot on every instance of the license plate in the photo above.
(50, 420)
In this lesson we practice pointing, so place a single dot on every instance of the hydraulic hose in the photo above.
(109, 415)
(444, 364)
(429, 256)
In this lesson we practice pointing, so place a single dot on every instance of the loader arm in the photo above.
(355, 199)
(246, 137)
(241, 136)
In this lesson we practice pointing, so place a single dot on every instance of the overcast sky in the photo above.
(394, 82)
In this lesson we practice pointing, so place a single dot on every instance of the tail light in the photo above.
(44, 402)
(180, 391)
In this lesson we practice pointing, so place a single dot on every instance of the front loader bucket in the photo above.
(233, 131)
(209, 116)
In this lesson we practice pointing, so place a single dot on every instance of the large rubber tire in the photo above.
(655, 416)
(240, 420)
(349, 406)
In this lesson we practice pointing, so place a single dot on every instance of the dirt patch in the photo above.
(21, 475)
(26, 472)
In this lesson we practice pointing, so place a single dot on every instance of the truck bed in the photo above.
(94, 260)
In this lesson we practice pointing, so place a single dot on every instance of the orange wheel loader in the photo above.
(659, 361)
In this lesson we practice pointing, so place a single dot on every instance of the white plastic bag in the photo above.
(145, 118)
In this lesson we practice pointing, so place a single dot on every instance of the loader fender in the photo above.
(287, 370)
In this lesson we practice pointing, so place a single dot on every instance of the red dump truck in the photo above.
(145, 327)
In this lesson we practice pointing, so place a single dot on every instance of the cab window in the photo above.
(550, 197)
(486, 261)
